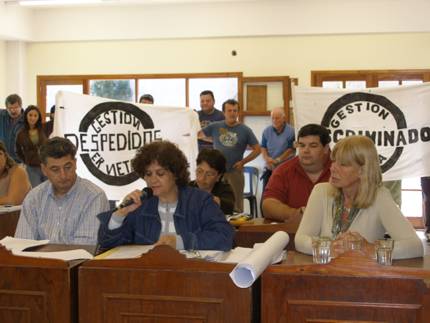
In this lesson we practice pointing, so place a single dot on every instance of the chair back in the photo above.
(251, 180)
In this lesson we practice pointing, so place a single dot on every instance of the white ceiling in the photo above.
(175, 19)
(78, 3)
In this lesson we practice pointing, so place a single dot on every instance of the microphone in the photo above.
(146, 193)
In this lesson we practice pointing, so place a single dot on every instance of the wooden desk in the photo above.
(350, 289)
(8, 223)
(36, 290)
(260, 229)
(161, 286)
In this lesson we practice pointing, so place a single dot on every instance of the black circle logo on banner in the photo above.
(366, 106)
(100, 127)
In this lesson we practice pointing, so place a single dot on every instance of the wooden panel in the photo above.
(161, 286)
(351, 288)
(256, 98)
(259, 230)
(8, 223)
(36, 290)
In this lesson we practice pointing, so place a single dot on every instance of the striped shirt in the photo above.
(70, 219)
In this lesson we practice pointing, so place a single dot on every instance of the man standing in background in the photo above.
(232, 138)
(425, 187)
(277, 143)
(11, 122)
(207, 115)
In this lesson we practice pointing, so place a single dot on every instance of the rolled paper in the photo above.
(248, 270)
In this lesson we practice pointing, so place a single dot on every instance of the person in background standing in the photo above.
(232, 138)
(11, 122)
(425, 187)
(146, 99)
(28, 142)
(207, 115)
(277, 143)
(49, 126)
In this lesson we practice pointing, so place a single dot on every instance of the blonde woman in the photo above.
(354, 203)
(14, 182)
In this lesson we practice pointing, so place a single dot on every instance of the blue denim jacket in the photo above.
(198, 220)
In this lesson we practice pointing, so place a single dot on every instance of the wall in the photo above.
(2, 72)
(295, 56)
(230, 19)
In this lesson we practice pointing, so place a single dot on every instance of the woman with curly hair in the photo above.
(177, 215)
(28, 142)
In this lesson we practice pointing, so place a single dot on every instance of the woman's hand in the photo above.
(345, 241)
(133, 196)
(217, 200)
(167, 239)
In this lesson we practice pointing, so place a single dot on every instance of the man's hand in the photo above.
(238, 165)
(270, 162)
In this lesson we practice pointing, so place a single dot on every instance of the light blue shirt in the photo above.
(231, 141)
(276, 143)
(70, 219)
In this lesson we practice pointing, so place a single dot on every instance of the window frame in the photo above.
(44, 80)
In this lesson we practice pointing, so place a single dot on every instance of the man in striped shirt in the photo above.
(64, 208)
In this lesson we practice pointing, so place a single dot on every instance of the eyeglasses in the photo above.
(200, 172)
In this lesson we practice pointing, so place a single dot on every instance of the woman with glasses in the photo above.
(211, 165)
(178, 215)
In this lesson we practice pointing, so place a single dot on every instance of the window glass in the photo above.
(224, 88)
(411, 82)
(332, 84)
(388, 83)
(51, 92)
(122, 90)
(169, 92)
(356, 85)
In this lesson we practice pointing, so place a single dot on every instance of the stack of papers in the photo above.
(17, 247)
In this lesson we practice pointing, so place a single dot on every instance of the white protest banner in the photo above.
(107, 134)
(397, 119)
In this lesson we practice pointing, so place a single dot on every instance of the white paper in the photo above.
(209, 255)
(60, 255)
(125, 252)
(17, 244)
(250, 268)
(9, 208)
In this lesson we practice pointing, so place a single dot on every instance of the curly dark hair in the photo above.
(167, 155)
(214, 158)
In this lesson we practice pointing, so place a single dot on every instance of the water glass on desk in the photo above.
(354, 243)
(321, 250)
(384, 251)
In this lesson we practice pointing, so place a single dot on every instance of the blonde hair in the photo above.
(361, 151)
